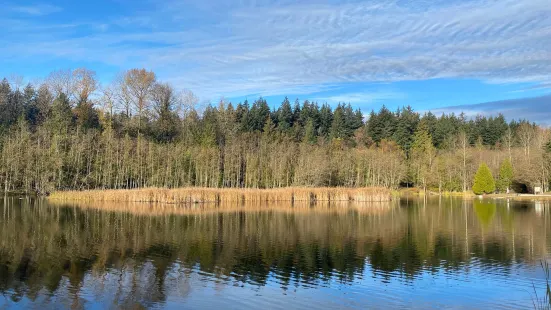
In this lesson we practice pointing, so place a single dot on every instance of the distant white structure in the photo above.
(537, 190)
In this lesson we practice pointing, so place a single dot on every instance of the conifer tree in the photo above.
(338, 126)
(484, 181)
(310, 132)
(326, 118)
(505, 176)
(422, 155)
(285, 116)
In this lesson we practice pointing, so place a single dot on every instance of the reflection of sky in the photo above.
(473, 286)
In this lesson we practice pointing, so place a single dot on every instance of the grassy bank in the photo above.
(226, 195)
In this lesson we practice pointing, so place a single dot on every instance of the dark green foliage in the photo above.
(285, 116)
(86, 116)
(381, 125)
(61, 115)
(310, 132)
(406, 124)
(255, 118)
(326, 120)
(339, 129)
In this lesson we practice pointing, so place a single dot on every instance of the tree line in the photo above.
(69, 132)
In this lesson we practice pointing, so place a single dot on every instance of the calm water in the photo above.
(409, 254)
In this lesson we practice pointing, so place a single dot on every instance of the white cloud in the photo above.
(359, 98)
(535, 109)
(274, 47)
(36, 10)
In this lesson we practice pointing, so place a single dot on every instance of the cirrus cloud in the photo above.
(236, 48)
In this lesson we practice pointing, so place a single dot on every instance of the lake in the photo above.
(411, 253)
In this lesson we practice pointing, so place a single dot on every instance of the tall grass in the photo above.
(227, 195)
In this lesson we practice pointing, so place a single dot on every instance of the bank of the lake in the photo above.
(228, 195)
(413, 192)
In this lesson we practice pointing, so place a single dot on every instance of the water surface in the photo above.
(439, 253)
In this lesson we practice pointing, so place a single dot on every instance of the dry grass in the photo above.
(161, 209)
(226, 195)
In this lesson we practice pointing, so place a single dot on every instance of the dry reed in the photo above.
(161, 209)
(227, 195)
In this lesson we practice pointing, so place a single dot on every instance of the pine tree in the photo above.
(326, 118)
(505, 176)
(310, 132)
(484, 181)
(338, 126)
(406, 124)
(285, 116)
(61, 114)
(422, 154)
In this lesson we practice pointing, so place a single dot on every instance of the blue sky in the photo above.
(479, 56)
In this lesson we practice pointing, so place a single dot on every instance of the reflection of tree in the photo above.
(485, 211)
(49, 248)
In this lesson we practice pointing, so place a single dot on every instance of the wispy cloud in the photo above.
(276, 46)
(536, 109)
(36, 10)
(361, 99)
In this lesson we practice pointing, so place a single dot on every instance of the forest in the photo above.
(68, 132)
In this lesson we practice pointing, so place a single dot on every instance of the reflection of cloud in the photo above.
(273, 47)
(536, 109)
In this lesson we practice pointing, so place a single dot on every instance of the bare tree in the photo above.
(120, 91)
(60, 81)
(137, 86)
(108, 98)
(187, 102)
(508, 140)
(463, 142)
(526, 135)
(16, 81)
(84, 84)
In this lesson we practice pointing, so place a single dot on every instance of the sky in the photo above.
(476, 56)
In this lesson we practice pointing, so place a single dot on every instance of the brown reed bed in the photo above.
(192, 195)
(162, 209)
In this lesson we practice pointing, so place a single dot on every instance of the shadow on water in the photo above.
(148, 254)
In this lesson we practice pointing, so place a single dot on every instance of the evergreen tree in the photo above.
(381, 125)
(30, 106)
(505, 176)
(310, 133)
(422, 154)
(484, 181)
(44, 99)
(86, 116)
(326, 119)
(257, 115)
(339, 128)
(61, 115)
(296, 113)
(285, 116)
(406, 124)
